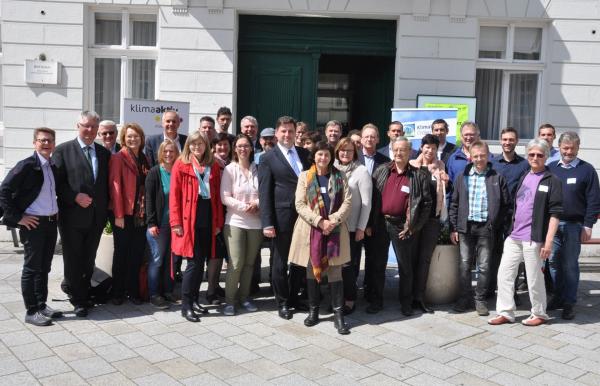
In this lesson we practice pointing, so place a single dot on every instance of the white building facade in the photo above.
(527, 61)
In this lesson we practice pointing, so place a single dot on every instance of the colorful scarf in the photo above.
(323, 247)
(139, 206)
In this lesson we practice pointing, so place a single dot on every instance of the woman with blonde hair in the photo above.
(196, 216)
(127, 175)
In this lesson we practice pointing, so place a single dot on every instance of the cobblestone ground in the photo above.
(137, 345)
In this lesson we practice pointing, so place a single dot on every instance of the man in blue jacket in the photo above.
(469, 133)
(581, 205)
(28, 198)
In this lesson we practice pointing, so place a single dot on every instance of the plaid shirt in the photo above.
(478, 202)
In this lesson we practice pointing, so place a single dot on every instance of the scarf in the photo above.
(323, 247)
(139, 206)
(203, 179)
(347, 169)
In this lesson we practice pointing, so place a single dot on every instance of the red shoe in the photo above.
(498, 320)
(533, 321)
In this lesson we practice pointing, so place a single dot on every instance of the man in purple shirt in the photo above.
(28, 199)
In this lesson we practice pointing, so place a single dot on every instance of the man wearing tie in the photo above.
(278, 176)
(82, 190)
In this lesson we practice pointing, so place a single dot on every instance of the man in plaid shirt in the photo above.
(479, 208)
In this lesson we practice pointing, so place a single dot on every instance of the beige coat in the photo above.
(300, 248)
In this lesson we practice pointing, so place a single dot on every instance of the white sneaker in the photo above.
(249, 306)
(229, 310)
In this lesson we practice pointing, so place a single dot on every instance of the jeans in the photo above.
(242, 245)
(159, 266)
(351, 270)
(564, 261)
(475, 244)
(403, 248)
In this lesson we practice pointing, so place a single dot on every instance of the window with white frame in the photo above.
(509, 78)
(123, 54)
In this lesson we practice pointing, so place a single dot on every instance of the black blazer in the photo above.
(74, 175)
(277, 189)
(447, 152)
(20, 188)
(155, 200)
(378, 159)
(153, 143)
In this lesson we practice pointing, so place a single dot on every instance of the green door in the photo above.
(275, 84)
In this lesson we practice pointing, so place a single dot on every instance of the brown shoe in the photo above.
(498, 320)
(533, 321)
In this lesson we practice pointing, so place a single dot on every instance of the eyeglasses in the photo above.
(87, 126)
(108, 133)
(346, 150)
(535, 155)
(242, 146)
(44, 141)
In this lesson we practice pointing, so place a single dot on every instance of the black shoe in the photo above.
(349, 310)
(190, 316)
(80, 312)
(337, 301)
(159, 302)
(285, 313)
(313, 317)
(213, 299)
(50, 312)
(568, 312)
(38, 319)
(117, 301)
(420, 305)
(373, 308)
(406, 310)
(555, 303)
(135, 300)
(197, 307)
(462, 305)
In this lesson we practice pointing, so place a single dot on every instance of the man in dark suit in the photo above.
(82, 189)
(107, 133)
(439, 128)
(28, 198)
(395, 130)
(278, 176)
(376, 241)
(170, 124)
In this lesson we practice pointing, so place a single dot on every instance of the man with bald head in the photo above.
(170, 122)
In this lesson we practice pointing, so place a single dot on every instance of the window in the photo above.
(123, 56)
(508, 79)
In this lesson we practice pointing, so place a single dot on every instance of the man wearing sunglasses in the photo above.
(107, 133)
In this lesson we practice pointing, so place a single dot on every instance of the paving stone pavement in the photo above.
(128, 344)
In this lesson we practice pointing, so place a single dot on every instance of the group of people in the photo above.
(319, 199)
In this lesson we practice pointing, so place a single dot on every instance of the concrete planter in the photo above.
(104, 255)
(443, 283)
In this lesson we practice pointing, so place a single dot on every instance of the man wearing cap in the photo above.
(267, 141)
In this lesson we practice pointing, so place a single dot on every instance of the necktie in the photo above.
(293, 162)
(88, 155)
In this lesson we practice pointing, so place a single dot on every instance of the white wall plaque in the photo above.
(42, 71)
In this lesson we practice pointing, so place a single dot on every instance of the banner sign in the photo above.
(148, 114)
(417, 122)
(466, 106)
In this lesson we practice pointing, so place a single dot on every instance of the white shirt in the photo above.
(45, 203)
(291, 157)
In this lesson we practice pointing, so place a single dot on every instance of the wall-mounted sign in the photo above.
(42, 71)
(465, 105)
(417, 122)
(148, 114)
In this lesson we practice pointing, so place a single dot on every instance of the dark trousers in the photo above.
(376, 256)
(194, 270)
(427, 240)
(38, 246)
(495, 257)
(477, 244)
(403, 248)
(285, 286)
(129, 253)
(351, 270)
(79, 253)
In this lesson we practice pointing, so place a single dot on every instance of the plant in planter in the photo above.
(443, 284)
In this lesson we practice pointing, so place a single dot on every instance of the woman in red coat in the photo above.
(127, 174)
(196, 216)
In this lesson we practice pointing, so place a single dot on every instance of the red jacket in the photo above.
(122, 177)
(183, 198)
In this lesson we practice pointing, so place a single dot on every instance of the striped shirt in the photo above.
(478, 203)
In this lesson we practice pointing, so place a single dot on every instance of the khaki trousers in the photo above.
(242, 245)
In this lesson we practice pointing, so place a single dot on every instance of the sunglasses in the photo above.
(535, 155)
